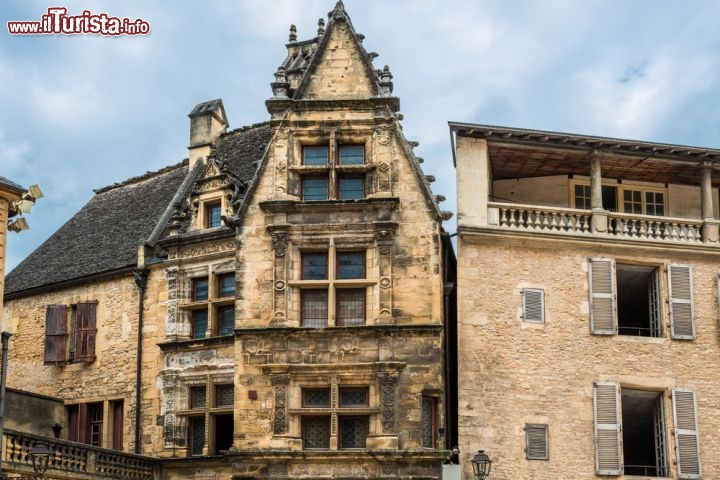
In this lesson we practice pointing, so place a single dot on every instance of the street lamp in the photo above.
(481, 465)
(40, 456)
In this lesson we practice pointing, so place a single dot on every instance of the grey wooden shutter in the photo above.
(55, 334)
(687, 440)
(536, 442)
(682, 314)
(603, 296)
(607, 429)
(86, 332)
(533, 305)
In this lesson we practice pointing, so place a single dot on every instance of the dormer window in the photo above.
(338, 176)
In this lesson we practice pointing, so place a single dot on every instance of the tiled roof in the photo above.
(103, 236)
(10, 185)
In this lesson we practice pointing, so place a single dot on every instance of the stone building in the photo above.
(587, 305)
(271, 307)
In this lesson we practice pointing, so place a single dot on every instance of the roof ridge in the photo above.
(140, 178)
(245, 128)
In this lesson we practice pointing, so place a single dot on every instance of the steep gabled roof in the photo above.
(103, 237)
(309, 61)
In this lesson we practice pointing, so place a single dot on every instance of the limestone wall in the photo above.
(512, 373)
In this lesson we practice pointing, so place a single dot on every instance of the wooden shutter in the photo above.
(55, 334)
(608, 441)
(603, 296)
(687, 440)
(86, 332)
(533, 305)
(682, 315)
(536, 442)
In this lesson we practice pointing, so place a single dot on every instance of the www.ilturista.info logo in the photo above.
(58, 22)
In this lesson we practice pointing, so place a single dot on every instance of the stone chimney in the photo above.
(207, 123)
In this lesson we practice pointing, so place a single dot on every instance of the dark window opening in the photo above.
(350, 265)
(226, 285)
(350, 307)
(351, 188)
(315, 188)
(226, 320)
(428, 421)
(638, 303)
(223, 432)
(196, 435)
(199, 323)
(225, 395)
(314, 308)
(643, 431)
(582, 197)
(198, 397)
(315, 156)
(353, 397)
(316, 397)
(314, 266)
(199, 289)
(212, 215)
(353, 431)
(316, 432)
(352, 155)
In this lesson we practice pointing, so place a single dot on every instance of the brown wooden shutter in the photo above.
(83, 423)
(86, 332)
(687, 439)
(533, 305)
(608, 446)
(536, 442)
(603, 296)
(682, 315)
(55, 334)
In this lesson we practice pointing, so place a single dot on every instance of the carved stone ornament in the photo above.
(385, 282)
(384, 166)
(384, 135)
(280, 383)
(280, 242)
(279, 285)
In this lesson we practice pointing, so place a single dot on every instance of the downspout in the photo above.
(140, 278)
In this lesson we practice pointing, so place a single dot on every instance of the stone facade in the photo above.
(291, 292)
(586, 337)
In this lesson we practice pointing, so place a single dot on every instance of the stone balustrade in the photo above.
(571, 221)
(75, 460)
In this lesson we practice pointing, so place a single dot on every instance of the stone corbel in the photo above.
(384, 233)
(280, 238)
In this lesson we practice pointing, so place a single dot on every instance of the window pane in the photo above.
(351, 188)
(315, 156)
(582, 197)
(315, 188)
(427, 422)
(199, 323)
(225, 395)
(655, 203)
(350, 306)
(354, 397)
(314, 308)
(352, 155)
(314, 266)
(632, 201)
(212, 215)
(95, 413)
(198, 397)
(196, 432)
(350, 265)
(200, 289)
(226, 320)
(316, 432)
(226, 285)
(316, 397)
(353, 432)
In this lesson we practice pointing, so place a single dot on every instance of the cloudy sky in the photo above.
(81, 112)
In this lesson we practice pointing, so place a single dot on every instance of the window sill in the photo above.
(192, 343)
(637, 339)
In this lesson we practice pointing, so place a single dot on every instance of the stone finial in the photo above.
(321, 27)
(385, 75)
(338, 12)
(280, 87)
(360, 37)
(373, 55)
(293, 34)
(385, 83)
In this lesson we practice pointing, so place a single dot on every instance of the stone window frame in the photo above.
(213, 304)
(334, 383)
(211, 410)
(206, 202)
(332, 246)
(333, 171)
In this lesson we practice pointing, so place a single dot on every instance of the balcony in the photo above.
(571, 221)
(76, 461)
(531, 182)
